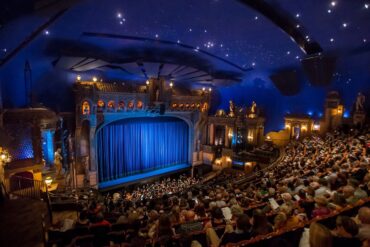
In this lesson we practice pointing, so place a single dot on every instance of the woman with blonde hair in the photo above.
(320, 236)
(316, 236)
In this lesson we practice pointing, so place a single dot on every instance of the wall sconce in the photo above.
(147, 82)
(287, 126)
(171, 84)
(304, 127)
(218, 162)
(78, 78)
(203, 89)
(48, 181)
(5, 157)
(95, 79)
(340, 110)
(210, 89)
(268, 138)
(316, 127)
(230, 134)
(228, 159)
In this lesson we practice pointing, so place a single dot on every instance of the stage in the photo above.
(112, 184)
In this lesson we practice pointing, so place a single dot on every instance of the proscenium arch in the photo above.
(191, 147)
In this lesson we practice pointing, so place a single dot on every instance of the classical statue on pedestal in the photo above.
(231, 109)
(360, 102)
(253, 110)
(58, 161)
(253, 107)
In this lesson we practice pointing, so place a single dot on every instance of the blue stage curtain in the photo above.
(138, 145)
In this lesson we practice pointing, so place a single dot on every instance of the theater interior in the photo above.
(184, 123)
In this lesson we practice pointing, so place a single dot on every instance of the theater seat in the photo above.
(100, 235)
(83, 241)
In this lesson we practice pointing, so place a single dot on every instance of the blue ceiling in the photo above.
(236, 46)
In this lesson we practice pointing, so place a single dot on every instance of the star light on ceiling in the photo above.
(333, 3)
(256, 18)
(46, 32)
(119, 15)
(331, 40)
(157, 36)
(297, 15)
(329, 11)
(344, 24)
(5, 50)
(209, 44)
(366, 5)
(253, 64)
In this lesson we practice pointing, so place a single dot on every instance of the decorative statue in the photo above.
(253, 107)
(231, 109)
(252, 110)
(58, 161)
(360, 101)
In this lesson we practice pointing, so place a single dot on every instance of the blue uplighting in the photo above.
(47, 146)
(140, 176)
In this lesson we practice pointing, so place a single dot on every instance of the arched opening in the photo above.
(111, 105)
(140, 145)
(85, 108)
(139, 105)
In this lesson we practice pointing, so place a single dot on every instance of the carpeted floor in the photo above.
(21, 223)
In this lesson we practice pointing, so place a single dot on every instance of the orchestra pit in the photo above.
(187, 123)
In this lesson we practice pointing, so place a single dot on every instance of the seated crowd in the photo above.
(316, 178)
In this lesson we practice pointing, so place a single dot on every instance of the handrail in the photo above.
(301, 226)
(2, 188)
(254, 175)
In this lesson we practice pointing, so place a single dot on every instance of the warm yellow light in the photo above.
(147, 82)
(230, 134)
(228, 159)
(250, 137)
(48, 181)
(3, 157)
(287, 126)
(248, 164)
(78, 78)
(95, 79)
(203, 89)
(171, 84)
(268, 138)
(304, 127)
(316, 126)
(218, 161)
